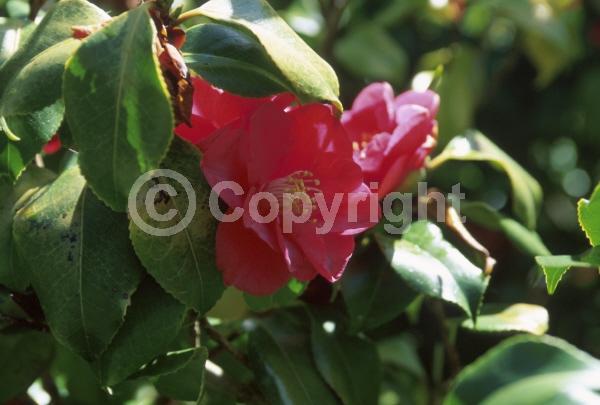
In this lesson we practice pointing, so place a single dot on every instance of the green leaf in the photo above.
(23, 357)
(12, 274)
(81, 262)
(151, 324)
(32, 106)
(555, 267)
(25, 72)
(474, 146)
(349, 364)
(280, 355)
(187, 382)
(495, 318)
(374, 294)
(55, 27)
(380, 56)
(183, 263)
(589, 216)
(460, 90)
(529, 370)
(284, 296)
(311, 77)
(526, 240)
(433, 267)
(234, 60)
(117, 106)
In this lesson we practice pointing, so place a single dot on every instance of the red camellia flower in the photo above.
(214, 108)
(391, 136)
(53, 145)
(281, 150)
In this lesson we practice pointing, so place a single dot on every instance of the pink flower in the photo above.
(214, 108)
(391, 136)
(279, 150)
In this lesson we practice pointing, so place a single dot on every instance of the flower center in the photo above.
(360, 146)
(295, 190)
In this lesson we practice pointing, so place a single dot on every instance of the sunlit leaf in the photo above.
(589, 216)
(117, 106)
(432, 266)
(311, 77)
(495, 318)
(555, 267)
(531, 370)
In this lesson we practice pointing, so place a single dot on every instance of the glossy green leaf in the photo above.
(12, 273)
(117, 106)
(24, 72)
(530, 370)
(311, 77)
(187, 382)
(31, 107)
(374, 294)
(282, 361)
(153, 321)
(23, 357)
(555, 267)
(234, 60)
(381, 57)
(526, 240)
(56, 26)
(432, 266)
(284, 296)
(81, 262)
(495, 318)
(589, 216)
(526, 191)
(183, 263)
(349, 364)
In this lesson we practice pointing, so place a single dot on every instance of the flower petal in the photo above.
(428, 99)
(248, 263)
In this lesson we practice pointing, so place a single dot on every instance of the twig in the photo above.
(224, 343)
